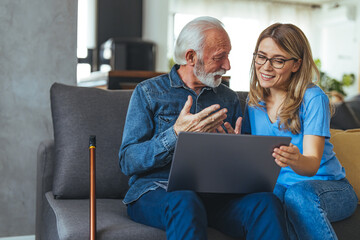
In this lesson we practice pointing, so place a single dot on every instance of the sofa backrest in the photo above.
(242, 97)
(346, 116)
(79, 112)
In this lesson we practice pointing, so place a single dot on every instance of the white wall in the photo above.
(155, 28)
(37, 48)
(340, 42)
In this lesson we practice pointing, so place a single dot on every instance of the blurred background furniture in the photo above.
(128, 54)
(128, 79)
(118, 79)
(124, 79)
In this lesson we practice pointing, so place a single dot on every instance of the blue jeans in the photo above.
(186, 214)
(312, 205)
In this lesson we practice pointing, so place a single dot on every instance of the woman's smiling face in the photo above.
(268, 76)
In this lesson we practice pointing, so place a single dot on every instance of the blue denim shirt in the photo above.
(149, 139)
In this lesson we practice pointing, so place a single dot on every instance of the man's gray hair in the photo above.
(192, 36)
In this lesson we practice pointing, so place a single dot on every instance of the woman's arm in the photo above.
(306, 164)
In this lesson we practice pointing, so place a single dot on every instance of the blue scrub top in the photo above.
(315, 120)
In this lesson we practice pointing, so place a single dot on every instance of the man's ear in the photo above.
(297, 65)
(190, 57)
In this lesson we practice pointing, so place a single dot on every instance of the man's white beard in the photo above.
(207, 78)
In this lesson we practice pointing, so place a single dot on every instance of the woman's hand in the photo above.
(305, 164)
(286, 156)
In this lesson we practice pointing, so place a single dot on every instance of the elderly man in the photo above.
(190, 98)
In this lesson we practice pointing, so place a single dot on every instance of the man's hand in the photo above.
(204, 121)
(229, 128)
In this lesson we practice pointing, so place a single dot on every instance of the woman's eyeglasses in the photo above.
(277, 63)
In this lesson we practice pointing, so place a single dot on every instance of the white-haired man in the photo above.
(157, 114)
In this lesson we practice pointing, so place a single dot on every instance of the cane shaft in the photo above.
(92, 193)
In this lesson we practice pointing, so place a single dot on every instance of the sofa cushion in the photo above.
(77, 113)
(72, 221)
(348, 228)
(346, 147)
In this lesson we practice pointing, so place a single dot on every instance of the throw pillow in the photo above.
(77, 113)
(346, 147)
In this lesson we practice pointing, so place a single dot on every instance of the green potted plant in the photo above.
(333, 86)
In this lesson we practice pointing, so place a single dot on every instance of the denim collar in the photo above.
(176, 82)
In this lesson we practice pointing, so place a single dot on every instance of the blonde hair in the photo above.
(291, 39)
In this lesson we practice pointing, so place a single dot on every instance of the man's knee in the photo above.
(185, 200)
(266, 199)
(259, 204)
(185, 210)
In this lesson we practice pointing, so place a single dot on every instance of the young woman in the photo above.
(283, 101)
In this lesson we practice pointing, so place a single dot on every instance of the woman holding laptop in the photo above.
(284, 101)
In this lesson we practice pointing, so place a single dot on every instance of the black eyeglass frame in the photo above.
(271, 59)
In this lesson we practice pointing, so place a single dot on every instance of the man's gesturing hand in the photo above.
(229, 128)
(204, 121)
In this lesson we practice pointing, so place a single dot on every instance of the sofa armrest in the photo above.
(44, 178)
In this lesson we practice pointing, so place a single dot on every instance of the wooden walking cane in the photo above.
(92, 151)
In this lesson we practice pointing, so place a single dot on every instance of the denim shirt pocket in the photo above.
(166, 121)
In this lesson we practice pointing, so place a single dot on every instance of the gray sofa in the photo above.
(346, 115)
(62, 205)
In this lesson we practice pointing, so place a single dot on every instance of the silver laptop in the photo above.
(224, 163)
